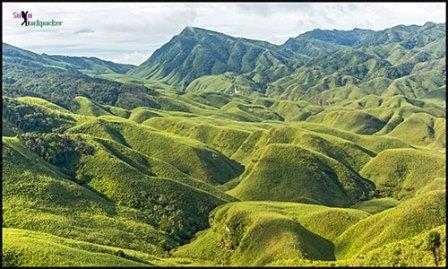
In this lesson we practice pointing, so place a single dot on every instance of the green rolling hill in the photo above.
(327, 150)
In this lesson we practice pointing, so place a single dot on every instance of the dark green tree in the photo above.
(432, 244)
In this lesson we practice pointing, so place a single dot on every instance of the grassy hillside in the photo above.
(328, 150)
(28, 248)
(189, 156)
(85, 64)
(401, 173)
(406, 252)
(355, 121)
(376, 205)
(406, 220)
(244, 233)
(59, 206)
(301, 175)
(196, 52)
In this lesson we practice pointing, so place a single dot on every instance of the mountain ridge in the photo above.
(181, 60)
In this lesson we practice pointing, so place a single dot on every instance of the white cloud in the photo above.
(130, 32)
(133, 57)
(84, 30)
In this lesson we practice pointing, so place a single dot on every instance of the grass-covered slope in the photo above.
(33, 187)
(354, 121)
(196, 52)
(226, 139)
(153, 167)
(132, 186)
(422, 129)
(226, 83)
(163, 199)
(376, 205)
(61, 83)
(116, 177)
(240, 234)
(401, 173)
(326, 151)
(29, 248)
(189, 156)
(408, 219)
(409, 252)
(259, 233)
(85, 106)
(282, 172)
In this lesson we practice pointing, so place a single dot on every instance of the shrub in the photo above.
(29, 118)
(432, 244)
(58, 149)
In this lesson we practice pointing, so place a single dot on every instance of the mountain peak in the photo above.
(429, 23)
(188, 29)
(197, 30)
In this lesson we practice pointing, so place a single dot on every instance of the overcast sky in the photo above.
(130, 32)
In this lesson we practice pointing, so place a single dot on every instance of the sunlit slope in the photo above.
(408, 219)
(262, 157)
(411, 251)
(61, 207)
(226, 83)
(282, 172)
(225, 136)
(29, 248)
(374, 206)
(354, 121)
(401, 173)
(245, 233)
(348, 148)
(191, 157)
(328, 150)
(84, 106)
(407, 252)
(241, 232)
(177, 207)
(148, 189)
(196, 52)
(149, 166)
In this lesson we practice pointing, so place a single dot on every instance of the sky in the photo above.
(131, 32)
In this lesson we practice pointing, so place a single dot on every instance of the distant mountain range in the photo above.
(322, 57)
(199, 60)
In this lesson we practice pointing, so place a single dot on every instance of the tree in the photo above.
(432, 244)
(120, 253)
(61, 150)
